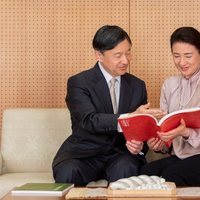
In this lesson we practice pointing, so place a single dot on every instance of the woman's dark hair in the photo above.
(186, 34)
(107, 37)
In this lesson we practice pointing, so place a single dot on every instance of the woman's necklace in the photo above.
(183, 104)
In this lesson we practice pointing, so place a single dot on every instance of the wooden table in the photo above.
(10, 197)
(103, 194)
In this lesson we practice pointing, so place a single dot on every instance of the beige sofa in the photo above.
(30, 139)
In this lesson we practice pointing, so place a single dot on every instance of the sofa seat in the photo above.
(10, 180)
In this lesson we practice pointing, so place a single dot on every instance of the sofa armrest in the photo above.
(1, 163)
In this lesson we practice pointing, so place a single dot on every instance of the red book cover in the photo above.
(144, 126)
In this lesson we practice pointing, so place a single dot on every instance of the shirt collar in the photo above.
(107, 76)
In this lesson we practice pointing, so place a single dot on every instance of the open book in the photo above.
(142, 127)
(42, 189)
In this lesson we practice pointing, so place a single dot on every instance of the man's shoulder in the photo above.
(132, 78)
(84, 74)
(90, 76)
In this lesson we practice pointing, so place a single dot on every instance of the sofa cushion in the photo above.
(11, 180)
(31, 137)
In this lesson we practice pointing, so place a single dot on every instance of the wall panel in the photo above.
(43, 42)
(151, 24)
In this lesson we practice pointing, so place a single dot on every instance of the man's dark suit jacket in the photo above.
(94, 126)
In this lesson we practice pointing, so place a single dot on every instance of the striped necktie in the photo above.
(113, 95)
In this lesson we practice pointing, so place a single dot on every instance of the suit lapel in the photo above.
(102, 90)
(125, 95)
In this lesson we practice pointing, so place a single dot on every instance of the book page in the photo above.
(191, 118)
(177, 112)
(127, 115)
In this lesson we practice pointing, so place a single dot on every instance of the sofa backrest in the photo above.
(31, 137)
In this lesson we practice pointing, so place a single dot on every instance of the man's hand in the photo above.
(134, 146)
(145, 109)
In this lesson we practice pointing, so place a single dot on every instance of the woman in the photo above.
(179, 92)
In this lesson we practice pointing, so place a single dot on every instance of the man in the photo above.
(97, 149)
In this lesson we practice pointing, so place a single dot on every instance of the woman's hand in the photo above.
(134, 146)
(155, 144)
(181, 130)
